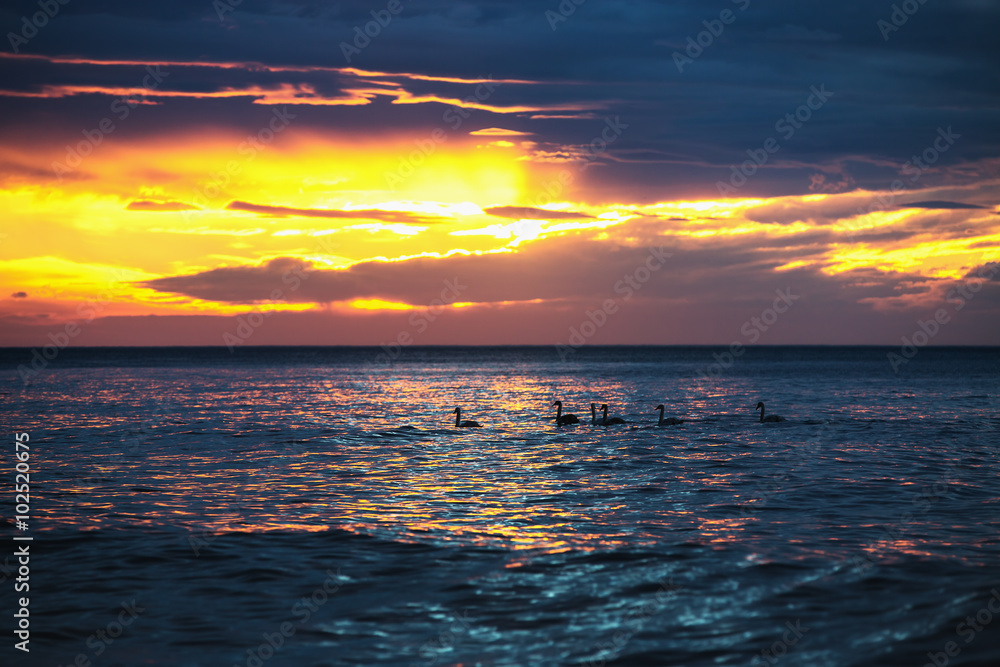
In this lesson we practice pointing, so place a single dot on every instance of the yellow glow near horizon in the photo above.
(65, 242)
(379, 304)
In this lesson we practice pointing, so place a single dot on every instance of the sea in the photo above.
(318, 506)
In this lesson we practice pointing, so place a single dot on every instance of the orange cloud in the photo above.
(356, 214)
(534, 213)
(149, 205)
(357, 87)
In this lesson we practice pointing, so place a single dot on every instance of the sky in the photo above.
(407, 172)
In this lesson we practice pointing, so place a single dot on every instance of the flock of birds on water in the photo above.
(568, 419)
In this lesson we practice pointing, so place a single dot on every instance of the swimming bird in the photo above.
(669, 421)
(467, 423)
(593, 414)
(562, 419)
(769, 418)
(613, 420)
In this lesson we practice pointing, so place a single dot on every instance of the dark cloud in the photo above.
(243, 284)
(988, 271)
(939, 205)
(20, 295)
(818, 315)
(517, 212)
(730, 272)
(788, 211)
(370, 214)
(685, 129)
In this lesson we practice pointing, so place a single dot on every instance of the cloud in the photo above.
(558, 269)
(888, 101)
(150, 205)
(789, 210)
(313, 85)
(988, 271)
(701, 292)
(499, 132)
(749, 78)
(824, 242)
(357, 214)
(939, 205)
(20, 295)
(241, 284)
(518, 212)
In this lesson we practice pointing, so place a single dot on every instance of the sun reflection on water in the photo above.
(375, 452)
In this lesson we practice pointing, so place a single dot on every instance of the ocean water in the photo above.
(317, 506)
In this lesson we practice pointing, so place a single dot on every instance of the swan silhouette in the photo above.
(669, 421)
(769, 418)
(613, 420)
(593, 414)
(467, 423)
(562, 419)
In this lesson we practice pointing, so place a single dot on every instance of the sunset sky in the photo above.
(194, 172)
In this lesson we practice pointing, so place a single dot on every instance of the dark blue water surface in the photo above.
(317, 506)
